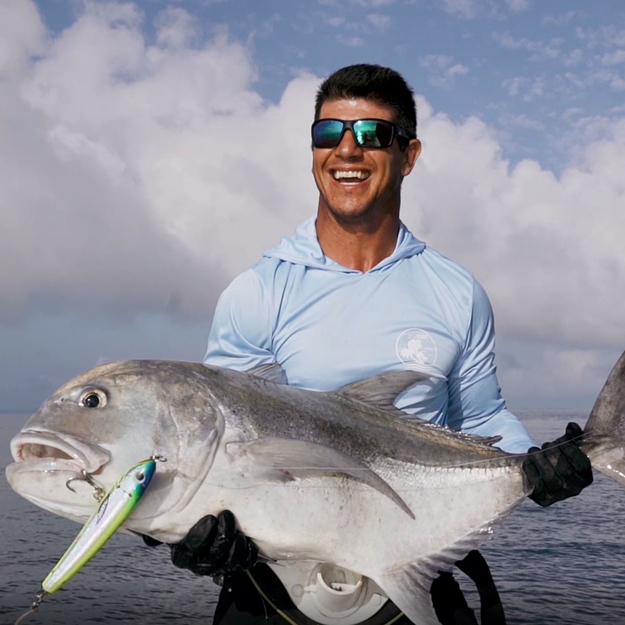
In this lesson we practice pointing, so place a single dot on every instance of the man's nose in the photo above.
(348, 148)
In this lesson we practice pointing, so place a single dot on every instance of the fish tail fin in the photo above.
(604, 434)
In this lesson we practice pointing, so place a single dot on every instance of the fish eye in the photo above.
(140, 476)
(93, 398)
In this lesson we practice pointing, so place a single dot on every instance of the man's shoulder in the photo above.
(447, 270)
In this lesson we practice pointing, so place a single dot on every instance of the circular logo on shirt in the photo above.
(416, 348)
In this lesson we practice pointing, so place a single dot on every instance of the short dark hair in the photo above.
(372, 82)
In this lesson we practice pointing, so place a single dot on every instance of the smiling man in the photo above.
(354, 294)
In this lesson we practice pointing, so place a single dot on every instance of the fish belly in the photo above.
(336, 519)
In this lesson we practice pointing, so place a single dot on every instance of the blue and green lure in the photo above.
(113, 510)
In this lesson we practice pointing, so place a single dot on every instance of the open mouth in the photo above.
(350, 177)
(55, 451)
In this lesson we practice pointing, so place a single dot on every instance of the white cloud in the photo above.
(521, 121)
(141, 177)
(518, 6)
(22, 35)
(442, 72)
(564, 18)
(335, 21)
(467, 9)
(613, 58)
(514, 85)
(350, 41)
(540, 49)
(547, 247)
(531, 89)
(574, 57)
(382, 22)
(375, 4)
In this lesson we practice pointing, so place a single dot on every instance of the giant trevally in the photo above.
(328, 477)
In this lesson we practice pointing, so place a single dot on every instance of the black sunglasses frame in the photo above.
(348, 124)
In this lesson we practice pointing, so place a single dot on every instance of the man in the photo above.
(353, 294)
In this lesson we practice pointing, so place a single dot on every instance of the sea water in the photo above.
(563, 565)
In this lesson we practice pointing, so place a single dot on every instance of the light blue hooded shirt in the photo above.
(328, 326)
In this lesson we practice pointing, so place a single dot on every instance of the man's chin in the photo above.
(354, 215)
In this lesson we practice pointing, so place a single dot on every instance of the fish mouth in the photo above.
(54, 451)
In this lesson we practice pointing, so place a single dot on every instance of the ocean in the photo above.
(564, 565)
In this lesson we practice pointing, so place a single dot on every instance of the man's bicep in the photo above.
(241, 332)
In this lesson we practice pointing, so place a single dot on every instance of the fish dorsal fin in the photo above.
(382, 390)
(409, 587)
(272, 371)
(283, 460)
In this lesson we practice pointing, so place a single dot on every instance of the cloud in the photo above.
(562, 19)
(136, 176)
(613, 58)
(381, 22)
(540, 49)
(531, 89)
(375, 4)
(352, 41)
(141, 173)
(441, 70)
(546, 246)
(518, 6)
(466, 9)
(521, 121)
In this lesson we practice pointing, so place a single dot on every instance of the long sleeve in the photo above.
(241, 333)
(475, 402)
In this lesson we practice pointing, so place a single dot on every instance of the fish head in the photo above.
(106, 420)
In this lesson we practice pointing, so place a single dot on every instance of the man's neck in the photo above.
(358, 245)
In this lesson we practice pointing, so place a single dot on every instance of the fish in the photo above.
(337, 477)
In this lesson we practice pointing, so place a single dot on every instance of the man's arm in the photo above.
(475, 402)
(241, 333)
(556, 471)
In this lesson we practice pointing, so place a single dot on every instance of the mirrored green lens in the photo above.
(373, 134)
(327, 133)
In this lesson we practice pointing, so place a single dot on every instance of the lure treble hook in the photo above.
(99, 492)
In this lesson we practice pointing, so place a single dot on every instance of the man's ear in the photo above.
(411, 154)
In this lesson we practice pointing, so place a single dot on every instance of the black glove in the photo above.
(215, 547)
(491, 610)
(559, 469)
(449, 603)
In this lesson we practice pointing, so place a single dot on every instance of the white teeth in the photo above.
(358, 175)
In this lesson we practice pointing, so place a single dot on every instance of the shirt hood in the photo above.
(303, 249)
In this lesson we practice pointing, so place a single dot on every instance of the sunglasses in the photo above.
(368, 133)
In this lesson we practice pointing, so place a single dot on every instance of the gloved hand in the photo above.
(559, 469)
(215, 547)
(449, 603)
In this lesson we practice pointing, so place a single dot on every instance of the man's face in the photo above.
(357, 183)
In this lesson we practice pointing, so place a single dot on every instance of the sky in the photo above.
(150, 151)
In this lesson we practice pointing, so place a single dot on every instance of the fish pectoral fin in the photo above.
(409, 587)
(284, 460)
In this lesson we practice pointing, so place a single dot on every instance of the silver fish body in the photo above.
(327, 477)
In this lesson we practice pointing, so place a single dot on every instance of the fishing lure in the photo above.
(113, 510)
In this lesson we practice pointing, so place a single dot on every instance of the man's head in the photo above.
(359, 168)
(381, 85)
